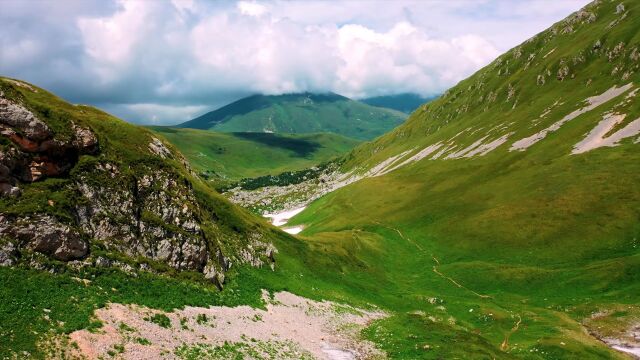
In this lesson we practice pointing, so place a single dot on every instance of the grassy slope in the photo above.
(247, 155)
(120, 142)
(406, 103)
(547, 237)
(301, 113)
(26, 293)
(374, 242)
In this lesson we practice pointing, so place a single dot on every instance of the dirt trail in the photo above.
(505, 344)
(419, 247)
(291, 327)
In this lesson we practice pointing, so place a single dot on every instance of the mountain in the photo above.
(406, 103)
(90, 203)
(300, 113)
(499, 221)
(233, 156)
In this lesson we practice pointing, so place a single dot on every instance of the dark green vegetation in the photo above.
(407, 103)
(233, 156)
(161, 320)
(300, 113)
(282, 179)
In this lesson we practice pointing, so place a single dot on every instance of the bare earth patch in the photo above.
(617, 326)
(292, 327)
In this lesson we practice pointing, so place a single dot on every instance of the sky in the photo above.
(165, 62)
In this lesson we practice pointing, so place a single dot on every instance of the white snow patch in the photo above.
(384, 166)
(596, 139)
(293, 230)
(549, 53)
(593, 102)
(460, 153)
(418, 156)
(442, 151)
(484, 149)
(629, 350)
(281, 218)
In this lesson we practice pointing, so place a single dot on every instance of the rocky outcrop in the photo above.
(157, 147)
(20, 118)
(154, 216)
(133, 202)
(34, 151)
(44, 234)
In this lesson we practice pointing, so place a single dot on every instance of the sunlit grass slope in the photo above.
(507, 254)
(247, 155)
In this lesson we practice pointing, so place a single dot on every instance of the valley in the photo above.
(235, 156)
(500, 220)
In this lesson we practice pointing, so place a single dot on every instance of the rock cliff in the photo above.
(79, 185)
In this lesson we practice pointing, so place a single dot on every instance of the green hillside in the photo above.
(503, 219)
(406, 103)
(95, 210)
(500, 221)
(300, 113)
(234, 156)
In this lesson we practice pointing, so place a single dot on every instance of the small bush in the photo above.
(161, 320)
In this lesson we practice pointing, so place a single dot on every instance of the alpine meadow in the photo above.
(472, 193)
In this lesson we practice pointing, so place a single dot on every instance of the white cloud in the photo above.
(155, 114)
(146, 58)
(112, 39)
(405, 59)
(251, 8)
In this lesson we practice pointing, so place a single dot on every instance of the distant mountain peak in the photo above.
(404, 102)
(305, 112)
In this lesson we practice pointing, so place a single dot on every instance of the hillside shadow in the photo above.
(301, 147)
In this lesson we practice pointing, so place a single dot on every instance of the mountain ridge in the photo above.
(299, 113)
(405, 102)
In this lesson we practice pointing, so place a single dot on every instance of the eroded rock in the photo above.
(19, 117)
(35, 153)
(46, 235)
(157, 147)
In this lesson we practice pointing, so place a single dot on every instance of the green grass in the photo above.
(68, 303)
(463, 250)
(234, 156)
(160, 320)
(300, 113)
(28, 295)
(513, 248)
(252, 349)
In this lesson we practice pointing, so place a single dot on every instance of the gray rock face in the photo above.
(8, 252)
(35, 152)
(44, 234)
(157, 147)
(152, 216)
(17, 116)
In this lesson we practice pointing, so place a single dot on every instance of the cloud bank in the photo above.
(165, 62)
